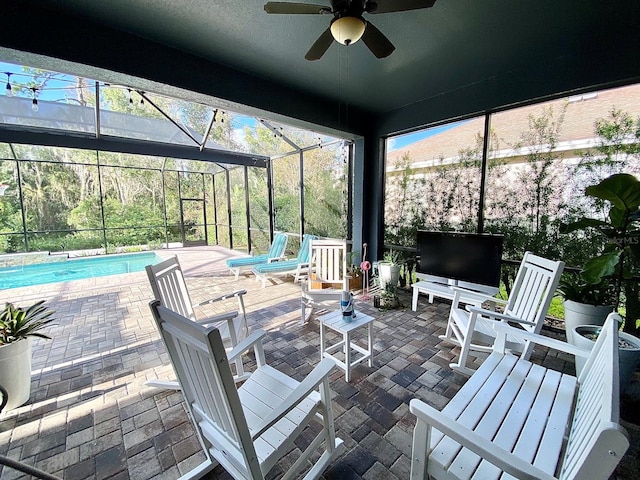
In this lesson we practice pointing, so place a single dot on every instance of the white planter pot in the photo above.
(15, 372)
(389, 274)
(629, 358)
(576, 313)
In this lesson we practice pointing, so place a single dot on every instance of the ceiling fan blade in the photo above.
(379, 45)
(321, 45)
(388, 6)
(295, 8)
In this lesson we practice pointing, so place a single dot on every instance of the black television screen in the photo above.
(468, 257)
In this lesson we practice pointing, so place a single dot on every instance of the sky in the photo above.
(401, 141)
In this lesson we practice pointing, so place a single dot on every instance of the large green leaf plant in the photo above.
(18, 323)
(616, 267)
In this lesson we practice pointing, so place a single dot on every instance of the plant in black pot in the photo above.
(18, 326)
(611, 276)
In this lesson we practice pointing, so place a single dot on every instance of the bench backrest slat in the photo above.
(596, 440)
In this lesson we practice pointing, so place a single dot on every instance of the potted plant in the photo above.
(584, 303)
(354, 271)
(389, 270)
(614, 270)
(18, 326)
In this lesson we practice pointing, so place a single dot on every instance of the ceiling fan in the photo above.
(348, 25)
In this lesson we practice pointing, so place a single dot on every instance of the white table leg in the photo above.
(370, 332)
(321, 341)
(347, 355)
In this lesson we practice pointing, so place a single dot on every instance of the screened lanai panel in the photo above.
(286, 186)
(5, 151)
(118, 159)
(325, 191)
(54, 154)
(133, 206)
(222, 209)
(210, 210)
(21, 111)
(543, 158)
(434, 182)
(10, 214)
(238, 209)
(172, 205)
(303, 139)
(259, 210)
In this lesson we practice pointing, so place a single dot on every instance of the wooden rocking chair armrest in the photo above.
(469, 439)
(475, 293)
(227, 316)
(302, 391)
(253, 340)
(497, 315)
(226, 296)
(505, 329)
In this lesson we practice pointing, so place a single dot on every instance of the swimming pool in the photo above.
(75, 269)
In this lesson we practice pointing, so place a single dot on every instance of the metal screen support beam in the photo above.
(206, 133)
(301, 168)
(104, 223)
(164, 207)
(271, 201)
(215, 207)
(97, 109)
(483, 173)
(25, 237)
(247, 212)
(177, 125)
(228, 178)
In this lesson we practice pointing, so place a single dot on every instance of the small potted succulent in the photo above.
(18, 326)
(389, 270)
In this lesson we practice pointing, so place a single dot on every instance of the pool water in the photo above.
(75, 269)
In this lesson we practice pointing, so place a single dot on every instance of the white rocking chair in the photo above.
(327, 266)
(248, 429)
(527, 306)
(169, 287)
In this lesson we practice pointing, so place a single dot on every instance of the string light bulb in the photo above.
(9, 90)
(34, 102)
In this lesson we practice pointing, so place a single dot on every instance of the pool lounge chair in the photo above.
(275, 253)
(296, 266)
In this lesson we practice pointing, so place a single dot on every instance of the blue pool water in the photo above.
(75, 269)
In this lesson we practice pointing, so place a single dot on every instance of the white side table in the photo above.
(335, 322)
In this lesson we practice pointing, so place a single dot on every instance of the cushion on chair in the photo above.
(247, 261)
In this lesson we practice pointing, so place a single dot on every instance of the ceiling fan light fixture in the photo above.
(347, 30)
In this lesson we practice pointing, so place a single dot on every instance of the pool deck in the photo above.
(90, 415)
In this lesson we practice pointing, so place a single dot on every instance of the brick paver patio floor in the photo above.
(90, 415)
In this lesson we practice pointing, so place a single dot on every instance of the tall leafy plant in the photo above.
(618, 262)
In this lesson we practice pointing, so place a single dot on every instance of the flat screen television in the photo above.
(467, 257)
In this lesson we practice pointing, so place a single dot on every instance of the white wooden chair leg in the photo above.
(200, 471)
(419, 450)
(465, 346)
(164, 384)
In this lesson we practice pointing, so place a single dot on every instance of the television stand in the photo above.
(441, 287)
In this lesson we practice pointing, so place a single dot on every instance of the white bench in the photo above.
(526, 420)
(442, 288)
